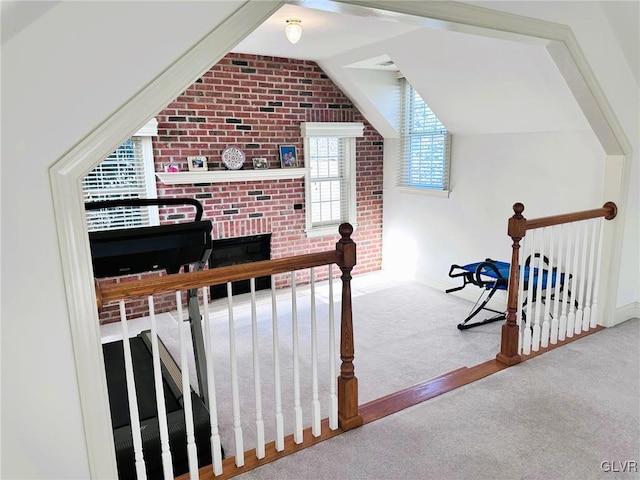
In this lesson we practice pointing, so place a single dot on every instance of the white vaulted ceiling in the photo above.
(475, 84)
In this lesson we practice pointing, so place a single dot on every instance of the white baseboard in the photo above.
(622, 314)
(499, 300)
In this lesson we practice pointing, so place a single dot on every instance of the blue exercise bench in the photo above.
(493, 275)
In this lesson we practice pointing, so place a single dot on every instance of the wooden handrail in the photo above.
(215, 276)
(609, 211)
(517, 229)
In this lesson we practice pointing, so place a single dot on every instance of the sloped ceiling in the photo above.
(15, 15)
(476, 85)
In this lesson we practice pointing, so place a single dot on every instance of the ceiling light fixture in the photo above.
(293, 31)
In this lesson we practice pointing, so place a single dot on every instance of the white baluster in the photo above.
(297, 429)
(586, 316)
(131, 395)
(594, 307)
(235, 396)
(571, 318)
(167, 465)
(563, 328)
(548, 288)
(216, 447)
(583, 277)
(555, 324)
(192, 452)
(526, 338)
(333, 397)
(315, 406)
(256, 373)
(276, 369)
(535, 341)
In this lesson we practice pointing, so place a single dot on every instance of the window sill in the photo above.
(425, 191)
(221, 176)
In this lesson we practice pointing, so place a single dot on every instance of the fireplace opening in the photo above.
(232, 251)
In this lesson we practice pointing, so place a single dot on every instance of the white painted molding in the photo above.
(84, 323)
(220, 176)
(627, 312)
(427, 192)
(150, 129)
(332, 129)
(458, 17)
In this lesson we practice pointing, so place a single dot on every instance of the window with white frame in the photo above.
(127, 173)
(426, 145)
(330, 178)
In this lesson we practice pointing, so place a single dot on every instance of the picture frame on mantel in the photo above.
(171, 167)
(288, 156)
(197, 163)
(260, 163)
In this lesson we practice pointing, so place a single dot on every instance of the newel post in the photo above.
(509, 344)
(348, 416)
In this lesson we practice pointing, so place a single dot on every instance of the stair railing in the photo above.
(343, 405)
(560, 279)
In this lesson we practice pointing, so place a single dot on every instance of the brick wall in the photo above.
(258, 103)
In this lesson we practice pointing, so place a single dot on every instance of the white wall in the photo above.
(614, 74)
(606, 58)
(550, 173)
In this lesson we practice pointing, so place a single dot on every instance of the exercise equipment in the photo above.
(147, 410)
(493, 275)
(170, 247)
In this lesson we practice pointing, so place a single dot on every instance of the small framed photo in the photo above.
(171, 167)
(288, 156)
(260, 163)
(197, 163)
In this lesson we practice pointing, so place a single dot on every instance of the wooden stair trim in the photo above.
(229, 468)
(421, 392)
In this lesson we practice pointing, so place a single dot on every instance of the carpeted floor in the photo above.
(571, 413)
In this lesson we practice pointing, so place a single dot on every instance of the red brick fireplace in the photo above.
(257, 103)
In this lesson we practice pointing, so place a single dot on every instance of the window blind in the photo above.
(426, 144)
(121, 175)
(330, 178)
(329, 183)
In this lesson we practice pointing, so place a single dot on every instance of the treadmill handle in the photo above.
(146, 202)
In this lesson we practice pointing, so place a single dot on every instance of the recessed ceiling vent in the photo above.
(381, 62)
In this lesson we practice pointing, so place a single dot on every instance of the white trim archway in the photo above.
(67, 173)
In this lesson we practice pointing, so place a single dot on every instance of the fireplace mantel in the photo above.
(220, 176)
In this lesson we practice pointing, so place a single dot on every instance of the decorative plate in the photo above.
(233, 158)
